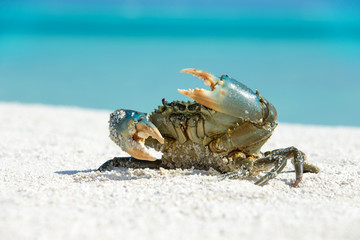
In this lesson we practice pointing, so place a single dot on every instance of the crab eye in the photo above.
(224, 76)
(192, 107)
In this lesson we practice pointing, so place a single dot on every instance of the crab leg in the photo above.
(129, 129)
(231, 97)
(279, 159)
(280, 164)
(129, 162)
(276, 161)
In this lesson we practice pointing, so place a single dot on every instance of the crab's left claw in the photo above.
(129, 129)
(231, 97)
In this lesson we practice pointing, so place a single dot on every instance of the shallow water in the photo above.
(309, 81)
(307, 63)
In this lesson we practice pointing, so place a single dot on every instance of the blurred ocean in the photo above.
(305, 60)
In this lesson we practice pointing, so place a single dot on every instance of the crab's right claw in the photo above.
(231, 97)
(129, 129)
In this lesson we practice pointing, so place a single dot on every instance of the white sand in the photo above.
(48, 191)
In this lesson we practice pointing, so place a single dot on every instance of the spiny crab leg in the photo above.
(229, 96)
(129, 129)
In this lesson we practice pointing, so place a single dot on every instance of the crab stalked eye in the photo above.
(224, 76)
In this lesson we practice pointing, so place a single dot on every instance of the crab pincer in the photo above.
(129, 129)
(231, 97)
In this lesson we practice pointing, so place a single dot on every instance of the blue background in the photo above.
(303, 56)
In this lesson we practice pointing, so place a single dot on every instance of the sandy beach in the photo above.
(49, 188)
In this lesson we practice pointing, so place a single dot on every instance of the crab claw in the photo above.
(209, 79)
(231, 97)
(129, 129)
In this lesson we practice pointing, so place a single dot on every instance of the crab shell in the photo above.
(228, 117)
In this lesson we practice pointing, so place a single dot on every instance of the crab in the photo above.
(223, 129)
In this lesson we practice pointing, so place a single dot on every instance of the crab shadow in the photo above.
(288, 181)
(126, 174)
(73, 172)
(117, 174)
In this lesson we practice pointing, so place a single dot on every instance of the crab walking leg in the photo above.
(128, 162)
(280, 163)
(235, 174)
(280, 157)
(261, 164)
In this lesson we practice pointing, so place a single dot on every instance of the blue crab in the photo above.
(223, 129)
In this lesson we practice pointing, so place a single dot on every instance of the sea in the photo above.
(307, 63)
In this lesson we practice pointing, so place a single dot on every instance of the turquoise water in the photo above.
(310, 70)
(312, 82)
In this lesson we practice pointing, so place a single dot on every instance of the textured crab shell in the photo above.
(189, 127)
(184, 114)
